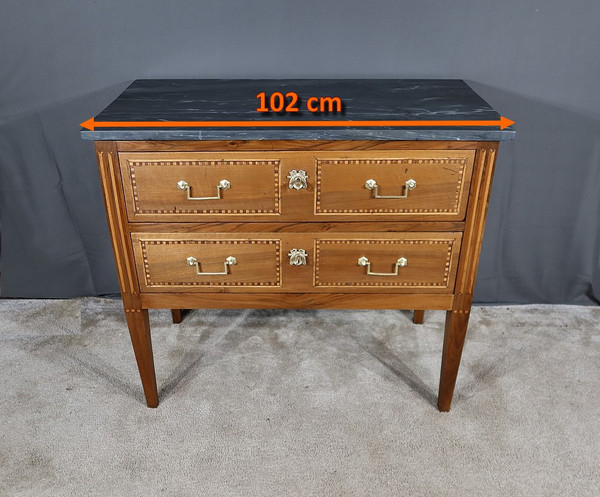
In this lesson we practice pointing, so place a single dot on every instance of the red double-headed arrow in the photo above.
(90, 124)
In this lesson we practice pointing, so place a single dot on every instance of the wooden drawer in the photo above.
(259, 185)
(332, 262)
(244, 185)
(424, 184)
(180, 262)
(413, 262)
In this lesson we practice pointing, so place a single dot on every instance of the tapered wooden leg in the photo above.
(457, 319)
(454, 339)
(177, 315)
(418, 317)
(139, 330)
(137, 318)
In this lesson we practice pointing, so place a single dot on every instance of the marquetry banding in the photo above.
(462, 162)
(395, 283)
(473, 232)
(148, 278)
(120, 241)
(132, 164)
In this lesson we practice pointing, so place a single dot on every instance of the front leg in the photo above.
(457, 319)
(139, 330)
(455, 332)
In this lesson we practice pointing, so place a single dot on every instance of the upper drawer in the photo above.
(401, 184)
(179, 186)
(318, 186)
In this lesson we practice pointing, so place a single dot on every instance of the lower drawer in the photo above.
(297, 262)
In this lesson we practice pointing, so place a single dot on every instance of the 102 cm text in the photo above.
(290, 102)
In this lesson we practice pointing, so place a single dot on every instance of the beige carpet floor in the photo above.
(298, 403)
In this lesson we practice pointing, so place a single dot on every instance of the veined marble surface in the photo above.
(363, 99)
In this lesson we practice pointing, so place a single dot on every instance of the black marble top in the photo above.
(235, 100)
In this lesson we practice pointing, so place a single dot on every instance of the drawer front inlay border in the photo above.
(132, 164)
(462, 161)
(395, 283)
(150, 283)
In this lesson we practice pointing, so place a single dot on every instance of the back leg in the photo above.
(177, 315)
(418, 317)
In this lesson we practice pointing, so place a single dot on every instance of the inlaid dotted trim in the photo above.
(461, 161)
(132, 164)
(148, 277)
(429, 284)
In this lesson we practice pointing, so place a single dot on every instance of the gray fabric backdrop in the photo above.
(537, 61)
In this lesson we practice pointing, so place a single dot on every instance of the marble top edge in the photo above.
(317, 135)
(235, 100)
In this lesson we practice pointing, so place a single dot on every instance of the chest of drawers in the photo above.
(235, 217)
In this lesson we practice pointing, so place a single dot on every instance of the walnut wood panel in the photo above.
(442, 178)
(296, 227)
(296, 301)
(162, 262)
(431, 261)
(151, 192)
(286, 145)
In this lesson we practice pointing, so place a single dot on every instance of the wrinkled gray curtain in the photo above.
(55, 239)
(542, 239)
(536, 62)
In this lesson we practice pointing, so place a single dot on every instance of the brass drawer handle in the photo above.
(230, 261)
(372, 185)
(363, 261)
(223, 185)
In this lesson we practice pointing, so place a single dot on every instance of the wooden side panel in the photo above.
(106, 154)
(475, 223)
